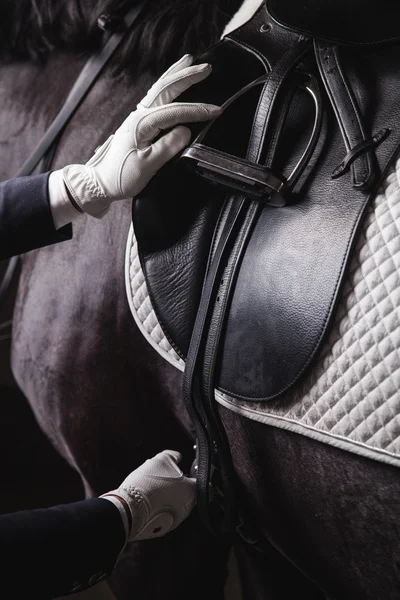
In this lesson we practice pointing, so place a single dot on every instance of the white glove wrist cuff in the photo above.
(136, 504)
(62, 210)
(88, 196)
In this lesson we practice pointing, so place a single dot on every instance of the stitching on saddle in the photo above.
(250, 49)
(356, 111)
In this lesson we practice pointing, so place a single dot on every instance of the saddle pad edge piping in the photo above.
(175, 362)
(319, 435)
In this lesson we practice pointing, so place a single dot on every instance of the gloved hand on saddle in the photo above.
(155, 498)
(125, 163)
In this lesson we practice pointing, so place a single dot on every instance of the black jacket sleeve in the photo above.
(55, 551)
(25, 216)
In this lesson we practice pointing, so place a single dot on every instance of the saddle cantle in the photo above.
(244, 240)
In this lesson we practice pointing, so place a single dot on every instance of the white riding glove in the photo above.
(155, 498)
(125, 163)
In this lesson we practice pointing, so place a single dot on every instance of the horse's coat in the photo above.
(108, 401)
(76, 353)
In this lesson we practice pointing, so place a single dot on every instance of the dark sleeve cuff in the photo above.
(62, 549)
(26, 221)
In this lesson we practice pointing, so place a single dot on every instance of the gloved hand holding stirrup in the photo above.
(155, 498)
(126, 162)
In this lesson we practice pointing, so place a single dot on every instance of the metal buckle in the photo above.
(110, 23)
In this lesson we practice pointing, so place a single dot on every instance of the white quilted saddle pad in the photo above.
(351, 396)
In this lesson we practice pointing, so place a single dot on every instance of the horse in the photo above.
(44, 46)
(107, 401)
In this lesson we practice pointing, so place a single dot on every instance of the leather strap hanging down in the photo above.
(239, 215)
(250, 304)
(86, 79)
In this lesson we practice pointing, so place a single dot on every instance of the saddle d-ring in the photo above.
(246, 176)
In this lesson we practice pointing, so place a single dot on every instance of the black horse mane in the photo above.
(165, 30)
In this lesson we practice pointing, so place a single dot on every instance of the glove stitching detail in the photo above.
(146, 150)
(92, 186)
(156, 109)
(141, 506)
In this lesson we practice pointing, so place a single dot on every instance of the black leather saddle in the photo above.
(245, 239)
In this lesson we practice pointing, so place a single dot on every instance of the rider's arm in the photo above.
(26, 220)
(55, 551)
(34, 210)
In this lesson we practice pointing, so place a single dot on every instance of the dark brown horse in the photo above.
(107, 401)
(103, 398)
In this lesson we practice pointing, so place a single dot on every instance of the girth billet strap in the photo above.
(86, 79)
(237, 219)
(364, 166)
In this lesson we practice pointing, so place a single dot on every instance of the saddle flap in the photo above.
(287, 268)
(341, 22)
